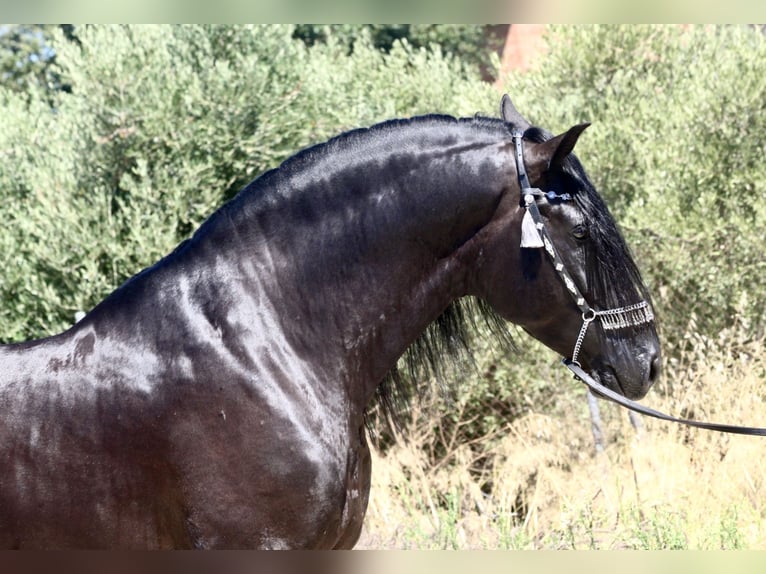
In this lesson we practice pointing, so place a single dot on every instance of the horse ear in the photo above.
(559, 147)
(509, 113)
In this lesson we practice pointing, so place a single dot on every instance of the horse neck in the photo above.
(367, 257)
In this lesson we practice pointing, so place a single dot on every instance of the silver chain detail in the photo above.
(587, 318)
(630, 316)
(613, 319)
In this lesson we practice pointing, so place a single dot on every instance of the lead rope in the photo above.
(627, 403)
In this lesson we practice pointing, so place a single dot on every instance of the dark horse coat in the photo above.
(217, 398)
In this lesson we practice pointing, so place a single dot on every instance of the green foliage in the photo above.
(728, 535)
(677, 149)
(161, 125)
(659, 529)
(26, 60)
(23, 61)
(467, 42)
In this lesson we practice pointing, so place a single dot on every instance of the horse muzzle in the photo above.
(630, 372)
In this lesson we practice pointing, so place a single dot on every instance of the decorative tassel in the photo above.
(530, 237)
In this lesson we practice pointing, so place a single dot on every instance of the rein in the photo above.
(627, 403)
(534, 234)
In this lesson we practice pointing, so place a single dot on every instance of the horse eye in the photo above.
(580, 232)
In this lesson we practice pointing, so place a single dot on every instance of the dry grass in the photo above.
(541, 484)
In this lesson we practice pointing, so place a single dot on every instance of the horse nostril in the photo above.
(654, 368)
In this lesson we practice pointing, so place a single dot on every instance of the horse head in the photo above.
(581, 293)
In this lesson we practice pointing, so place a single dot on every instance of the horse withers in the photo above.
(217, 398)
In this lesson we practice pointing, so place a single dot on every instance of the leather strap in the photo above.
(625, 402)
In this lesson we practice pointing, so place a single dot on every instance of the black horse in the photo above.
(217, 398)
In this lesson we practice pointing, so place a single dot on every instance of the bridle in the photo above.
(534, 234)
(611, 319)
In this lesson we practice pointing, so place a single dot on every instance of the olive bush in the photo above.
(161, 125)
(677, 149)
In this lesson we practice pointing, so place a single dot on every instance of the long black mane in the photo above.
(445, 345)
(615, 281)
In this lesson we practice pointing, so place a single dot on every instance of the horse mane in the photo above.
(444, 348)
(615, 282)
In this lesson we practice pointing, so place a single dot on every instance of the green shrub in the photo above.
(677, 149)
(468, 42)
(163, 124)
